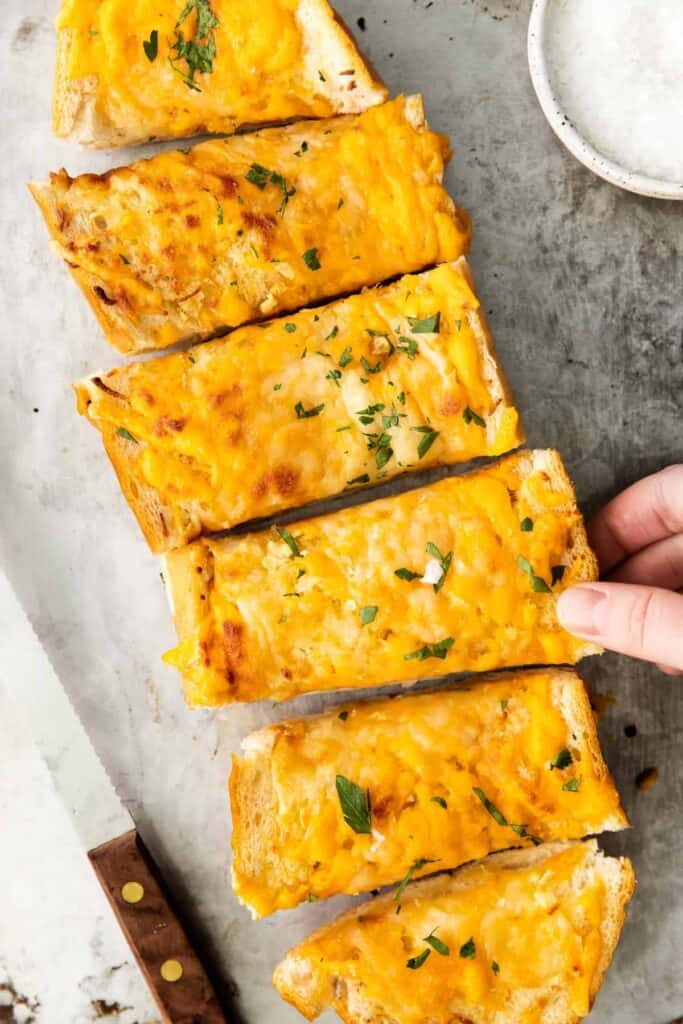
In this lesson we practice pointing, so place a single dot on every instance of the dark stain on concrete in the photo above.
(17, 1001)
(104, 1009)
(27, 31)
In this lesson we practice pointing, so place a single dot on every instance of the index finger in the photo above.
(644, 513)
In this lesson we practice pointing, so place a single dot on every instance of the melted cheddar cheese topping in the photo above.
(541, 926)
(420, 758)
(261, 70)
(189, 243)
(327, 610)
(304, 407)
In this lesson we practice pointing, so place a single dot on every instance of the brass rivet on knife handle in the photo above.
(133, 892)
(132, 884)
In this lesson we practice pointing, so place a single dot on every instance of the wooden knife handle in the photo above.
(133, 885)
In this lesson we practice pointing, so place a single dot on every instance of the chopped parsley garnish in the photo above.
(277, 387)
(440, 801)
(573, 785)
(468, 950)
(260, 176)
(355, 805)
(151, 46)
(429, 325)
(427, 440)
(364, 479)
(334, 375)
(367, 416)
(312, 898)
(123, 259)
(343, 715)
(346, 357)
(333, 334)
(384, 452)
(408, 346)
(199, 52)
(438, 650)
(368, 614)
(126, 434)
(370, 369)
(321, 76)
(558, 572)
(192, 358)
(495, 967)
(526, 525)
(393, 419)
(290, 328)
(437, 945)
(219, 213)
(289, 541)
(500, 818)
(417, 865)
(306, 414)
(538, 585)
(407, 574)
(562, 760)
(444, 562)
(504, 705)
(311, 259)
(472, 417)
(416, 962)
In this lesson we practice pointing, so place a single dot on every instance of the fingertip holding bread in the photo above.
(523, 937)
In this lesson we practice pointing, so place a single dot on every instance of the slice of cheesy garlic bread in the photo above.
(132, 73)
(369, 794)
(191, 243)
(457, 576)
(274, 416)
(524, 937)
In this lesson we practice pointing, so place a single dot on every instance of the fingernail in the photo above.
(582, 610)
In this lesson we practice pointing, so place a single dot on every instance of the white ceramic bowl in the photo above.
(540, 65)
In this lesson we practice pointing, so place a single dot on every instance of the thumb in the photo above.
(645, 622)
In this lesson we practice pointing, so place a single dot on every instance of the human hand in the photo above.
(638, 538)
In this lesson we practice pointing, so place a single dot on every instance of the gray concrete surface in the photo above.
(583, 285)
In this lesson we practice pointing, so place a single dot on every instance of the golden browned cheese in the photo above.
(441, 579)
(188, 244)
(275, 416)
(525, 742)
(521, 938)
(122, 76)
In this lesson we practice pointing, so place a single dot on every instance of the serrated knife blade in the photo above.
(124, 867)
(33, 686)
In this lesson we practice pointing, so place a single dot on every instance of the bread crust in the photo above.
(296, 981)
(81, 112)
(168, 523)
(270, 867)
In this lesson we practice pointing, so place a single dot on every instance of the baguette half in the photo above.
(277, 416)
(524, 937)
(275, 61)
(358, 598)
(526, 742)
(188, 244)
